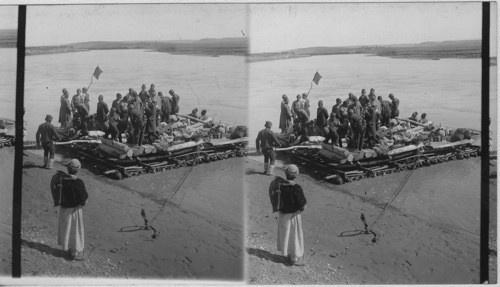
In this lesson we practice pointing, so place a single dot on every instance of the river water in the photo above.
(8, 64)
(448, 90)
(217, 84)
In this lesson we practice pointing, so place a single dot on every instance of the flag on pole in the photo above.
(97, 72)
(316, 78)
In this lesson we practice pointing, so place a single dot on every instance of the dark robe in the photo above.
(285, 117)
(64, 111)
(322, 117)
(175, 104)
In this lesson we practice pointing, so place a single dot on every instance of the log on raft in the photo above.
(222, 142)
(194, 119)
(116, 145)
(299, 147)
(404, 149)
(415, 123)
(184, 145)
(115, 152)
(335, 157)
(78, 141)
(137, 150)
(458, 143)
(369, 153)
(335, 149)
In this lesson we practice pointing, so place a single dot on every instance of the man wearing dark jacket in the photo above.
(46, 134)
(265, 141)
(322, 118)
(358, 127)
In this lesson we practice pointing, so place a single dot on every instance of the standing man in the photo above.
(395, 106)
(77, 100)
(333, 126)
(102, 115)
(371, 126)
(175, 102)
(143, 94)
(376, 105)
(46, 134)
(129, 96)
(363, 99)
(166, 107)
(385, 114)
(156, 98)
(336, 107)
(358, 127)
(286, 115)
(322, 118)
(297, 105)
(266, 139)
(150, 112)
(71, 233)
(138, 122)
(136, 102)
(116, 103)
(293, 202)
(356, 105)
(114, 119)
(65, 109)
(86, 98)
(306, 104)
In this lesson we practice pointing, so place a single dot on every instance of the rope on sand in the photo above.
(396, 193)
(148, 223)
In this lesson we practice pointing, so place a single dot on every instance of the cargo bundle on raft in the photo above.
(186, 142)
(7, 132)
(406, 145)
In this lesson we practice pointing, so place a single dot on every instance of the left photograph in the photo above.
(8, 66)
(135, 135)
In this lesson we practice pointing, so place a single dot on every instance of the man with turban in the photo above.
(71, 234)
(292, 202)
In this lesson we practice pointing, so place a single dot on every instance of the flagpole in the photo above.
(91, 80)
(310, 88)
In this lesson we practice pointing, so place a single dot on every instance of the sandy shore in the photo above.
(199, 238)
(409, 249)
(7, 180)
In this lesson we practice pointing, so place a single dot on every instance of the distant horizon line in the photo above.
(305, 47)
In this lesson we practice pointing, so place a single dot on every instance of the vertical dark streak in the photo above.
(18, 162)
(485, 112)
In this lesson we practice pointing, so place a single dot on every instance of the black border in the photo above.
(485, 154)
(18, 162)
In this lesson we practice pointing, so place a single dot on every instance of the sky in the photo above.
(280, 27)
(8, 17)
(64, 24)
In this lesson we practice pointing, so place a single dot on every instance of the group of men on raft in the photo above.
(137, 113)
(356, 118)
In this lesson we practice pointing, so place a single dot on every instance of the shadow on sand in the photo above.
(46, 249)
(269, 256)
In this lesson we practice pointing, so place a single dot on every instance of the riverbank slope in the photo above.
(407, 250)
(198, 237)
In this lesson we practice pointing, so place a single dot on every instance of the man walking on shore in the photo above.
(46, 134)
(265, 141)
(290, 239)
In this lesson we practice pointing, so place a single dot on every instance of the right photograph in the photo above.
(366, 124)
